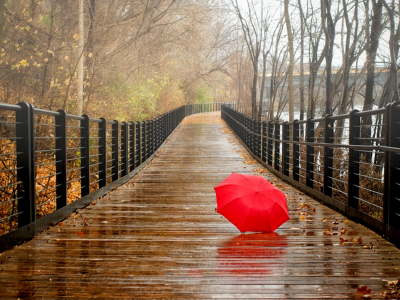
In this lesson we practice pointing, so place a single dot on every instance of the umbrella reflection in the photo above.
(252, 254)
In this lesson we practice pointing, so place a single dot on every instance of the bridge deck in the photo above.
(159, 237)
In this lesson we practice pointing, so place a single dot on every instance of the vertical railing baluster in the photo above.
(296, 150)
(259, 124)
(26, 170)
(143, 141)
(309, 154)
(328, 156)
(85, 154)
(277, 145)
(115, 148)
(271, 125)
(391, 205)
(264, 141)
(103, 153)
(151, 138)
(354, 158)
(253, 136)
(124, 149)
(132, 146)
(285, 149)
(138, 145)
(61, 158)
(249, 136)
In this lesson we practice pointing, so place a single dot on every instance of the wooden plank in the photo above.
(159, 237)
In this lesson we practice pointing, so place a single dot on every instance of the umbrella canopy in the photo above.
(251, 203)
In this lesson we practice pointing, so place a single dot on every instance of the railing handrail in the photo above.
(315, 168)
(116, 150)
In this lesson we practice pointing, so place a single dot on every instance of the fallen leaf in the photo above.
(302, 217)
(396, 282)
(303, 205)
(363, 290)
(81, 233)
(343, 231)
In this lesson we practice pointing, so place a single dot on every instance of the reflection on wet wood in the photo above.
(159, 237)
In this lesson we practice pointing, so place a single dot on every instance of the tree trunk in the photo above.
(262, 86)
(291, 61)
(372, 47)
(2, 20)
(329, 29)
(81, 57)
(301, 62)
(254, 92)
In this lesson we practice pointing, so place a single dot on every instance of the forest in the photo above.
(124, 58)
(131, 61)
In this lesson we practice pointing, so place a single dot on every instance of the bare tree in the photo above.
(291, 61)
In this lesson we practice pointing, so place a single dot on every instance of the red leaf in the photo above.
(363, 290)
(81, 233)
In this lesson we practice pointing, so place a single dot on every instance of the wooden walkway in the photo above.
(159, 237)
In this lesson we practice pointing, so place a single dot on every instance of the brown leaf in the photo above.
(81, 233)
(396, 282)
(304, 205)
(363, 290)
(343, 231)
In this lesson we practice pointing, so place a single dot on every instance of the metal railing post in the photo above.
(285, 149)
(132, 146)
(138, 145)
(103, 153)
(115, 150)
(124, 149)
(277, 145)
(258, 139)
(253, 136)
(391, 203)
(354, 158)
(309, 154)
(264, 141)
(26, 171)
(296, 150)
(328, 156)
(143, 141)
(61, 158)
(270, 136)
(85, 154)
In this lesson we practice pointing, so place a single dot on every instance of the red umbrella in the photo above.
(251, 203)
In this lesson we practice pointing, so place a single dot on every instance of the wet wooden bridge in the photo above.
(159, 237)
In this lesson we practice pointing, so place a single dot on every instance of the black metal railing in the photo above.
(350, 162)
(52, 163)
